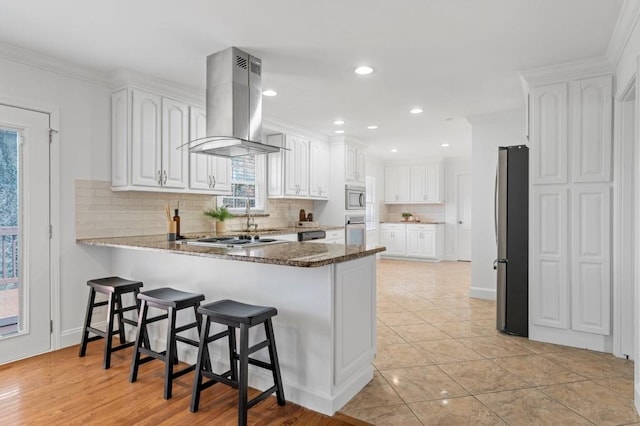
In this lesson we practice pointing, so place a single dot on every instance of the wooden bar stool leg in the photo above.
(275, 365)
(141, 334)
(197, 381)
(243, 380)
(170, 356)
(87, 322)
(108, 342)
(145, 336)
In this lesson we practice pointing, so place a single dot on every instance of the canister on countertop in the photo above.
(303, 215)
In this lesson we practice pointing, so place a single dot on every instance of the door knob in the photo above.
(460, 222)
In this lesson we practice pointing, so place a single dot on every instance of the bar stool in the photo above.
(171, 301)
(237, 315)
(114, 288)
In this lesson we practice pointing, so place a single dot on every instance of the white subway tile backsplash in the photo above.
(101, 212)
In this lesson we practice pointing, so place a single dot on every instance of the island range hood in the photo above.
(234, 107)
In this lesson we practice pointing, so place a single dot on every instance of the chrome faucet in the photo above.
(250, 219)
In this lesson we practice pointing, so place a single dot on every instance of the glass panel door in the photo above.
(25, 290)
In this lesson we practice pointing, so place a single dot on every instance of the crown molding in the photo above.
(627, 21)
(292, 128)
(584, 68)
(51, 64)
(123, 78)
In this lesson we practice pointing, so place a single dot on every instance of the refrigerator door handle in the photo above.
(496, 261)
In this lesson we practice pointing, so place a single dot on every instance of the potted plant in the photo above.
(406, 216)
(220, 214)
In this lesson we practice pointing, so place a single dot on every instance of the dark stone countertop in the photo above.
(297, 254)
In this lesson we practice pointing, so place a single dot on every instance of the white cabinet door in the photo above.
(414, 246)
(426, 183)
(275, 167)
(429, 244)
(175, 133)
(591, 131)
(397, 187)
(549, 132)
(355, 160)
(146, 139)
(422, 241)
(296, 166)
(318, 170)
(393, 237)
(206, 171)
(591, 258)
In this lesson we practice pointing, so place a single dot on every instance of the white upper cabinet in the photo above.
(397, 184)
(318, 170)
(288, 170)
(591, 145)
(426, 183)
(549, 132)
(147, 131)
(207, 172)
(355, 159)
(416, 184)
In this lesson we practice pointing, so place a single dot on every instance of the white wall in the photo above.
(84, 147)
(488, 132)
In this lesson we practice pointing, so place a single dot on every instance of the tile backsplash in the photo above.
(101, 212)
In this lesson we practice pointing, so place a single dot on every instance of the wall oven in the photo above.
(354, 197)
(355, 230)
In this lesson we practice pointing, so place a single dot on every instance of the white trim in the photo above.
(126, 78)
(576, 339)
(627, 21)
(576, 70)
(281, 126)
(621, 191)
(51, 64)
(482, 293)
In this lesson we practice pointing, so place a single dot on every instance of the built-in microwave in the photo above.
(354, 197)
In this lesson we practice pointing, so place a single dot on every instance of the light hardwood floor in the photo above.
(59, 388)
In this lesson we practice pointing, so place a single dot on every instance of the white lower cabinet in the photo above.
(412, 240)
(335, 236)
(421, 241)
(393, 237)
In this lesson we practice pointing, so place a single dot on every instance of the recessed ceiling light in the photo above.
(364, 70)
(372, 127)
(444, 145)
(416, 110)
(339, 131)
(394, 150)
(270, 92)
(338, 122)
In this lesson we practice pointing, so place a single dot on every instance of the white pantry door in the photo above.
(25, 289)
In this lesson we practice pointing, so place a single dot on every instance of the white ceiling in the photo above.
(455, 58)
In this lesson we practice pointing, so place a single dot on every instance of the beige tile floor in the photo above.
(440, 362)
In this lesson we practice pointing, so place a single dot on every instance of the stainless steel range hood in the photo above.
(234, 107)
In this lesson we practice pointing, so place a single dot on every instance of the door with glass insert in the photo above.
(25, 295)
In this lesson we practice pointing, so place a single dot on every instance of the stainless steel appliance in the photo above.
(355, 231)
(355, 197)
(232, 242)
(512, 237)
(234, 106)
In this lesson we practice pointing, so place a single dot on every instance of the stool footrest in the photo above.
(259, 346)
(130, 322)
(127, 309)
(261, 397)
(156, 319)
(215, 378)
(187, 341)
(217, 336)
(162, 356)
(262, 364)
(103, 303)
(183, 371)
(122, 346)
(100, 333)
(186, 327)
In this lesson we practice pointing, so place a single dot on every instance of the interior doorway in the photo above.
(463, 226)
(25, 279)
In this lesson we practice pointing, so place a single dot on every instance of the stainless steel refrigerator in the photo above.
(512, 236)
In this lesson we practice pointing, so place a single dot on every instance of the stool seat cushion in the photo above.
(167, 296)
(111, 284)
(230, 312)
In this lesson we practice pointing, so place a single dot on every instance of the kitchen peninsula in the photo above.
(325, 295)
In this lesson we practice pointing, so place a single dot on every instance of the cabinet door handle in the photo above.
(159, 179)
(164, 180)
(213, 182)
(209, 181)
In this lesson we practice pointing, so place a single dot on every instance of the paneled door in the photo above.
(464, 217)
(25, 291)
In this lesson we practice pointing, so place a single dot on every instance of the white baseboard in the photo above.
(482, 293)
(636, 395)
(576, 339)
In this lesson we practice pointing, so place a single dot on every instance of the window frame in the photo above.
(260, 190)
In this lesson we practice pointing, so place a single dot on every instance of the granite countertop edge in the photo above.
(412, 223)
(296, 254)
